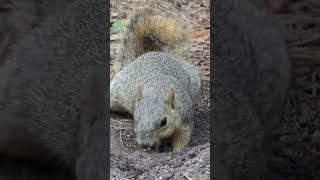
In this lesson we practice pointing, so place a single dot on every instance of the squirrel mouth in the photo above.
(149, 146)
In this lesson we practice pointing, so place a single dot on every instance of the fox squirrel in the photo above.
(159, 90)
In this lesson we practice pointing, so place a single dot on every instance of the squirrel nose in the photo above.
(147, 145)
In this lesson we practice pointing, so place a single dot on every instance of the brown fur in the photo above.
(148, 31)
(181, 136)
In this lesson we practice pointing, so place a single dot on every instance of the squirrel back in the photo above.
(153, 65)
(148, 31)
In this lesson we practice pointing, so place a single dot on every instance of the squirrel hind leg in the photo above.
(182, 136)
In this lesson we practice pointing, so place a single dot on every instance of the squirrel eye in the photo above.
(163, 122)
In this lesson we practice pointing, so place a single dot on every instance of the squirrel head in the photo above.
(156, 117)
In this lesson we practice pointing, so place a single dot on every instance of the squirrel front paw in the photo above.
(181, 137)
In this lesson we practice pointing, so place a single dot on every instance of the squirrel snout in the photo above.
(149, 145)
(146, 142)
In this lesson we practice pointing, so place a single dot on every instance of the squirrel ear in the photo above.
(170, 97)
(139, 94)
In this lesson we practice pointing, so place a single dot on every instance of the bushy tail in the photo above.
(146, 31)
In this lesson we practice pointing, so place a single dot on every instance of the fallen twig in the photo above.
(186, 176)
(121, 139)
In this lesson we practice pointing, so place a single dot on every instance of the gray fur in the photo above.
(156, 72)
(146, 70)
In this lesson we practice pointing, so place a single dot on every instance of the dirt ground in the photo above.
(296, 147)
(128, 161)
